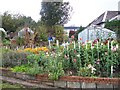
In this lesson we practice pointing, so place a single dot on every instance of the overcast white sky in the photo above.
(84, 11)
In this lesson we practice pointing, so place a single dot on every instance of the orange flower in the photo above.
(19, 50)
(36, 50)
(46, 50)
(39, 49)
(27, 49)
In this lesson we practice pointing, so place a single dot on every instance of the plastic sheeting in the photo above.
(92, 33)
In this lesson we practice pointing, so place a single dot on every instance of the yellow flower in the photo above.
(27, 49)
(36, 50)
(19, 50)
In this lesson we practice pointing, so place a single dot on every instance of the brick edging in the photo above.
(44, 78)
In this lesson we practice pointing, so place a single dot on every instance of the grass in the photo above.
(10, 85)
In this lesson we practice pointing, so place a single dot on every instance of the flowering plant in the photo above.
(35, 50)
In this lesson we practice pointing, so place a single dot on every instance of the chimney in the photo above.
(119, 10)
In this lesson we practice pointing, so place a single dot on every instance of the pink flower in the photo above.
(113, 48)
(98, 61)
(65, 56)
(95, 41)
(83, 44)
(80, 38)
(93, 44)
(74, 60)
(74, 51)
(72, 36)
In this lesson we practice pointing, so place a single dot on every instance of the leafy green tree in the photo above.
(114, 26)
(55, 13)
(78, 31)
(13, 22)
(40, 36)
(42, 32)
(8, 23)
(59, 33)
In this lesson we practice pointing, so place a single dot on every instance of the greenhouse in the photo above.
(95, 32)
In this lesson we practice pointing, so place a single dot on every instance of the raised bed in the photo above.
(66, 81)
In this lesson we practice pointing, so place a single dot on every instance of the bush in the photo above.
(20, 41)
(13, 58)
(6, 42)
(59, 33)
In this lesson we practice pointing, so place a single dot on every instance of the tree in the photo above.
(8, 23)
(78, 31)
(41, 30)
(14, 22)
(55, 13)
(59, 33)
(114, 26)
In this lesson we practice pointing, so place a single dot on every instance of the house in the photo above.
(25, 31)
(96, 28)
(106, 16)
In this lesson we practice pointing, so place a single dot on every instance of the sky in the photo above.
(84, 11)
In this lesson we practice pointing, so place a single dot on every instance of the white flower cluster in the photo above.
(92, 68)
(114, 48)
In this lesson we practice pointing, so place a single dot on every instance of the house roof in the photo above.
(108, 15)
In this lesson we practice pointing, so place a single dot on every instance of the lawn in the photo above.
(10, 85)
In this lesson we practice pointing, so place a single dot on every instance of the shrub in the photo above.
(6, 42)
(13, 58)
(33, 70)
(98, 55)
(20, 41)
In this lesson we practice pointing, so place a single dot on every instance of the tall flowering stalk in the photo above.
(98, 49)
(79, 45)
(111, 75)
(57, 43)
(86, 54)
(74, 45)
(108, 58)
(92, 52)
